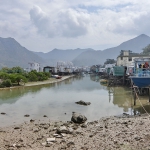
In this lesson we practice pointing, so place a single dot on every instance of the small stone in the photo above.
(70, 143)
(16, 127)
(14, 145)
(47, 145)
(55, 134)
(91, 135)
(35, 130)
(18, 145)
(2, 113)
(84, 126)
(50, 140)
(137, 138)
(21, 140)
(62, 129)
(46, 128)
(44, 116)
(26, 115)
(44, 143)
(63, 134)
(58, 136)
(39, 138)
(31, 120)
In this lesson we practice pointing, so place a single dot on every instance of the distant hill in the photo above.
(99, 57)
(13, 54)
(61, 55)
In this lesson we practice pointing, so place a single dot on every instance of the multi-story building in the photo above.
(126, 58)
(33, 66)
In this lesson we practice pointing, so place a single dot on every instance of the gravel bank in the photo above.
(111, 133)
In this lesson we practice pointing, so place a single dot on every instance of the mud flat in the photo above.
(109, 133)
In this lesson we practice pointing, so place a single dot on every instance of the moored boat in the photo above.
(141, 82)
(141, 77)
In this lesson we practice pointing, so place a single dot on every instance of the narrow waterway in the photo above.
(57, 101)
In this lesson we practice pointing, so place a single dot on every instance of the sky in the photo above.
(42, 25)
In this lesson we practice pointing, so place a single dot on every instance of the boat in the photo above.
(141, 77)
(141, 82)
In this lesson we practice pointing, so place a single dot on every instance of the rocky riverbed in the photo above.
(109, 133)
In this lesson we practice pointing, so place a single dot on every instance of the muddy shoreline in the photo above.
(123, 133)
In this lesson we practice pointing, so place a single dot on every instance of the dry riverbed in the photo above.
(110, 133)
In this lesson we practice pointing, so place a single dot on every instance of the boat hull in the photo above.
(141, 82)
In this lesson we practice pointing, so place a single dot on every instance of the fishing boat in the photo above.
(141, 82)
(141, 77)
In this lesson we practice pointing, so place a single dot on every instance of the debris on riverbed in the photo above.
(111, 133)
(83, 103)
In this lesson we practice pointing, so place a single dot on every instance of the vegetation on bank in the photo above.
(17, 76)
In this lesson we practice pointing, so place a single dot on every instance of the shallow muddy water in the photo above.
(57, 101)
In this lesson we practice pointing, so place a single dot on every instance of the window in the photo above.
(121, 58)
(130, 59)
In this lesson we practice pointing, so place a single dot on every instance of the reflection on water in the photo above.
(57, 101)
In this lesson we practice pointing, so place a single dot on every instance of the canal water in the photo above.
(57, 101)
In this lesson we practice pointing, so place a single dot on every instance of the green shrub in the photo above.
(6, 83)
(4, 75)
(32, 76)
(16, 78)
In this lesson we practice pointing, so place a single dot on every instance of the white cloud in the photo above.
(67, 23)
(71, 24)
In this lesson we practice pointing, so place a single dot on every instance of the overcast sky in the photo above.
(42, 25)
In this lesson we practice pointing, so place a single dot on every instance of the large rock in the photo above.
(83, 103)
(78, 118)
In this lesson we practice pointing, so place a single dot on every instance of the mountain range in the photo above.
(13, 54)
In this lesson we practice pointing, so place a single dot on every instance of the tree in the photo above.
(12, 70)
(17, 69)
(32, 76)
(146, 50)
(110, 61)
(4, 75)
(5, 69)
(17, 78)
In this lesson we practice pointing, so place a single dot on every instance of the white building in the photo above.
(126, 58)
(65, 67)
(33, 66)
